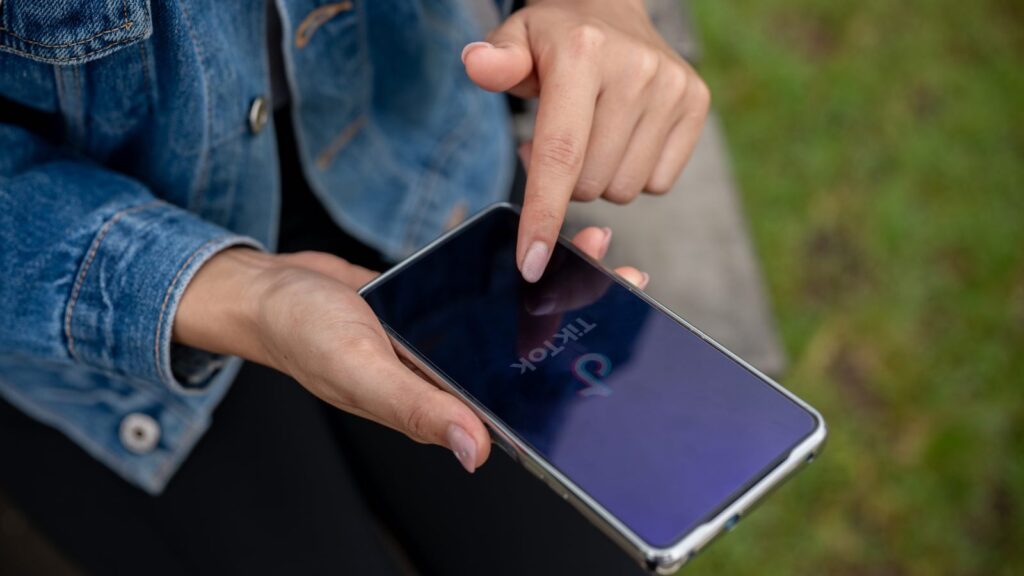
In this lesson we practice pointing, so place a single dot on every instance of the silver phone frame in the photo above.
(663, 560)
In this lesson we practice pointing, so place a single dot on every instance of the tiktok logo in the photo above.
(589, 369)
(553, 346)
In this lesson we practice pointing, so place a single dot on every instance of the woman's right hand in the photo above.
(300, 314)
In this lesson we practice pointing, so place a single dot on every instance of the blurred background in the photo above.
(879, 152)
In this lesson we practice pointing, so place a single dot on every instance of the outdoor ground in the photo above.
(879, 148)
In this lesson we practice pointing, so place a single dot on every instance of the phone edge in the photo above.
(663, 560)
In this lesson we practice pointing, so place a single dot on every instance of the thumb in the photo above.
(401, 400)
(434, 416)
(504, 62)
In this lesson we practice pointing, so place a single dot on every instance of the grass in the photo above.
(879, 146)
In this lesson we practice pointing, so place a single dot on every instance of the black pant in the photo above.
(284, 484)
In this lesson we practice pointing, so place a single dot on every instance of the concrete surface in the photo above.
(694, 244)
(693, 241)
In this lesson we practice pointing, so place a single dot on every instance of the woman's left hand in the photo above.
(620, 111)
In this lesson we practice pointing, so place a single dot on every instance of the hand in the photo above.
(620, 111)
(300, 314)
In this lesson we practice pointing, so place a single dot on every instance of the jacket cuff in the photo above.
(126, 293)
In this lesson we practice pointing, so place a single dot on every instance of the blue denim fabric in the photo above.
(156, 168)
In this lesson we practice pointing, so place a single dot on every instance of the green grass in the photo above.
(879, 145)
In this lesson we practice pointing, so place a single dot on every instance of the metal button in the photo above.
(259, 113)
(139, 433)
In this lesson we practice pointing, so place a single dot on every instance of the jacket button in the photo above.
(259, 113)
(139, 433)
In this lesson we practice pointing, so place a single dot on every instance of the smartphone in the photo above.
(655, 432)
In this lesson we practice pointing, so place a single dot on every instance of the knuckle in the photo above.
(340, 396)
(588, 189)
(362, 344)
(416, 419)
(561, 153)
(645, 65)
(701, 95)
(586, 39)
(585, 195)
(545, 216)
(675, 80)
(318, 259)
(658, 186)
(622, 192)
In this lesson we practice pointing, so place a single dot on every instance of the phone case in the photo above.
(662, 560)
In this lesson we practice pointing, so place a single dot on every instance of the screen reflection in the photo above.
(650, 420)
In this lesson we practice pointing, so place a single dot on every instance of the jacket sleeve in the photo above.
(94, 265)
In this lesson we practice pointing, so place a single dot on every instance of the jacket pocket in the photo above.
(71, 31)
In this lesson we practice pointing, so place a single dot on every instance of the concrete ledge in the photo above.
(694, 244)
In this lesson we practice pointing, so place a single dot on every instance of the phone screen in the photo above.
(653, 422)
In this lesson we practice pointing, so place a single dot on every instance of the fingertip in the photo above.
(539, 224)
(593, 241)
(469, 441)
(473, 46)
(484, 450)
(535, 261)
(496, 68)
(606, 243)
(481, 437)
(463, 446)
(633, 276)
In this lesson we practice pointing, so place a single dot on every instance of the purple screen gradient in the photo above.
(654, 423)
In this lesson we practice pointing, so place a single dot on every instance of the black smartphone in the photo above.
(658, 434)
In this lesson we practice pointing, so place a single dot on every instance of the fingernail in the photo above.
(607, 240)
(469, 47)
(535, 261)
(463, 446)
(644, 280)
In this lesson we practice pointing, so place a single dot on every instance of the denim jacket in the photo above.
(136, 144)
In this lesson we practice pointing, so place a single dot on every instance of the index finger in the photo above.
(566, 111)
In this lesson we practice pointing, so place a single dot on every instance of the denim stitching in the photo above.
(105, 453)
(80, 280)
(150, 90)
(352, 129)
(60, 86)
(49, 60)
(189, 437)
(80, 109)
(163, 307)
(126, 25)
(447, 146)
(197, 194)
(317, 18)
(323, 160)
(444, 150)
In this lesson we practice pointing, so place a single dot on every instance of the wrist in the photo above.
(634, 3)
(219, 310)
(603, 9)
